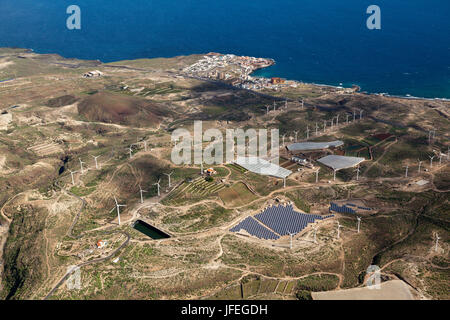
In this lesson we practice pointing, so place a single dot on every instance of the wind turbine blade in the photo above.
(112, 209)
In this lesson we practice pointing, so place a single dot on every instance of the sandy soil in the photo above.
(390, 290)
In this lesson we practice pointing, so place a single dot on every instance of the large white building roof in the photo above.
(340, 162)
(263, 167)
(305, 146)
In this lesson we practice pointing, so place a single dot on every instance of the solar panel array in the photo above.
(362, 208)
(255, 229)
(341, 209)
(284, 220)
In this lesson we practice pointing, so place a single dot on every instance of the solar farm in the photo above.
(349, 207)
(277, 221)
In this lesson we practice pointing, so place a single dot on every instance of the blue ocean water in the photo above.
(320, 41)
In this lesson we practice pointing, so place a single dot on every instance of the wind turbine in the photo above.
(201, 168)
(267, 109)
(437, 242)
(359, 222)
(317, 175)
(354, 115)
(406, 172)
(317, 129)
(71, 174)
(337, 120)
(360, 114)
(296, 133)
(291, 235)
(81, 165)
(332, 119)
(131, 151)
(96, 163)
(303, 104)
(145, 145)
(431, 160)
(141, 193)
(420, 164)
(338, 230)
(347, 118)
(285, 104)
(357, 173)
(307, 132)
(117, 208)
(284, 182)
(440, 158)
(324, 125)
(168, 175)
(284, 135)
(334, 174)
(158, 185)
(274, 106)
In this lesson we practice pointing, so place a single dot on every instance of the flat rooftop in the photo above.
(340, 162)
(305, 146)
(263, 167)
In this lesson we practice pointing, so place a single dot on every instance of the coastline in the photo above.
(361, 90)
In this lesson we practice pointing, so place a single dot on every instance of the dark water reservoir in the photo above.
(149, 230)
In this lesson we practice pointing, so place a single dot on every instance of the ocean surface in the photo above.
(320, 41)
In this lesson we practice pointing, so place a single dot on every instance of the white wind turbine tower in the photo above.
(145, 145)
(118, 208)
(303, 104)
(420, 164)
(130, 149)
(267, 109)
(96, 163)
(317, 129)
(284, 182)
(359, 222)
(158, 185)
(307, 132)
(274, 106)
(337, 120)
(357, 173)
(296, 134)
(354, 115)
(437, 242)
(338, 230)
(317, 175)
(284, 135)
(360, 114)
(431, 160)
(334, 175)
(291, 235)
(141, 193)
(406, 172)
(347, 118)
(324, 125)
(285, 104)
(81, 165)
(332, 119)
(440, 158)
(168, 175)
(201, 168)
(71, 174)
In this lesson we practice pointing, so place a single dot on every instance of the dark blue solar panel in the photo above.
(284, 220)
(255, 229)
